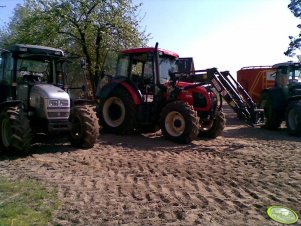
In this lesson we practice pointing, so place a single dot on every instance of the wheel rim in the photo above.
(6, 133)
(114, 112)
(206, 126)
(174, 123)
(293, 119)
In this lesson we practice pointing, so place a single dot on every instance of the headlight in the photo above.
(53, 103)
(63, 103)
(58, 103)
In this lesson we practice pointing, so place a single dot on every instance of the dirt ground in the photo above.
(146, 180)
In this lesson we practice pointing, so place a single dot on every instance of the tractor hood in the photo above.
(49, 91)
(50, 101)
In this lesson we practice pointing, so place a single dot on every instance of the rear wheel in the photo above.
(118, 113)
(179, 122)
(272, 117)
(84, 127)
(15, 131)
(213, 128)
(293, 118)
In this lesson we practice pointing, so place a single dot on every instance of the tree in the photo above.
(82, 28)
(295, 42)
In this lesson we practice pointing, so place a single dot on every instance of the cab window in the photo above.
(122, 66)
(6, 67)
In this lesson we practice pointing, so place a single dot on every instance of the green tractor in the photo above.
(283, 101)
(34, 99)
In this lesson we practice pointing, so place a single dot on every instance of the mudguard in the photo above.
(10, 103)
(82, 102)
(294, 98)
(109, 88)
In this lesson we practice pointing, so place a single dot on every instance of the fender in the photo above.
(82, 102)
(108, 89)
(133, 92)
(11, 103)
(294, 98)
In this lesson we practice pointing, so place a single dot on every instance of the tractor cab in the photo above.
(140, 64)
(288, 78)
(23, 66)
(139, 67)
(35, 64)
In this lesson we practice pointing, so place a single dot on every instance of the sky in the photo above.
(226, 34)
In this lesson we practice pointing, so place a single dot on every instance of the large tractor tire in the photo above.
(293, 118)
(214, 128)
(179, 122)
(84, 125)
(272, 116)
(118, 113)
(15, 131)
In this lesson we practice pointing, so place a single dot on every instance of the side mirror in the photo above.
(172, 75)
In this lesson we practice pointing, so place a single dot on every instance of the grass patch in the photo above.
(26, 202)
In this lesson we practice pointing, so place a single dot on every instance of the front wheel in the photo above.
(84, 127)
(15, 131)
(179, 122)
(293, 118)
(213, 128)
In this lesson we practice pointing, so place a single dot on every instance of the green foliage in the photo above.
(26, 203)
(82, 28)
(295, 42)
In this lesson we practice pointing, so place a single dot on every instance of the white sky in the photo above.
(227, 34)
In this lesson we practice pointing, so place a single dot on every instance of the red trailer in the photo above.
(255, 79)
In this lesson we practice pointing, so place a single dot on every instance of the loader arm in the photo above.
(232, 92)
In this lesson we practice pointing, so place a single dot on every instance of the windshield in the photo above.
(166, 65)
(122, 66)
(32, 70)
(295, 75)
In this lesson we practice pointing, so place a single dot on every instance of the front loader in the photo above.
(229, 90)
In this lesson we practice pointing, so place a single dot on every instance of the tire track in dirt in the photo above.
(149, 181)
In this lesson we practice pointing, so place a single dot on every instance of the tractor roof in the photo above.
(35, 49)
(287, 64)
(150, 50)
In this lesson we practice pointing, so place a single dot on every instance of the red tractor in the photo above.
(145, 95)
